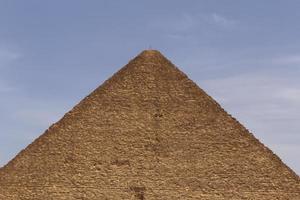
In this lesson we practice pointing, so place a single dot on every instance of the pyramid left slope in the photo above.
(56, 161)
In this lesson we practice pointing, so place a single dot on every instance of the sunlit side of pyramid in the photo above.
(147, 133)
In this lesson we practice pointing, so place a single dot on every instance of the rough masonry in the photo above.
(147, 133)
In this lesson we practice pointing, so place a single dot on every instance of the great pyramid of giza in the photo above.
(148, 132)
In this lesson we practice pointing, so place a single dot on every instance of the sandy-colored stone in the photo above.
(148, 132)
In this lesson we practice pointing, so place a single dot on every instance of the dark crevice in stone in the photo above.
(120, 162)
(139, 192)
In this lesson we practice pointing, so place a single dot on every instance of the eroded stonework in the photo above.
(148, 132)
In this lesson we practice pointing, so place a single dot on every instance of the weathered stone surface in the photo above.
(147, 133)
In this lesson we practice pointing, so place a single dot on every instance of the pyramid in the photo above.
(148, 132)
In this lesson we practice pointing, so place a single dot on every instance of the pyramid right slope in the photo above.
(149, 132)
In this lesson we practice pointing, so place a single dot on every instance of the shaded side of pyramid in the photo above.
(148, 132)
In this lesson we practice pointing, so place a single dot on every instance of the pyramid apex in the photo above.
(151, 56)
(150, 53)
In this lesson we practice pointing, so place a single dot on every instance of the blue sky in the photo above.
(245, 54)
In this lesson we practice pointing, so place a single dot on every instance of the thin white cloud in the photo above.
(271, 92)
(184, 25)
(267, 105)
(286, 60)
(222, 20)
(291, 94)
(5, 87)
(37, 117)
(7, 56)
(289, 152)
(38, 112)
(32, 116)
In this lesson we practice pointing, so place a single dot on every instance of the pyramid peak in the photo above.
(151, 55)
(151, 52)
(151, 58)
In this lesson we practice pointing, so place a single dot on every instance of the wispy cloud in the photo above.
(268, 105)
(180, 24)
(288, 59)
(39, 117)
(7, 56)
(6, 88)
(184, 25)
(269, 94)
(290, 94)
(32, 116)
(222, 20)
